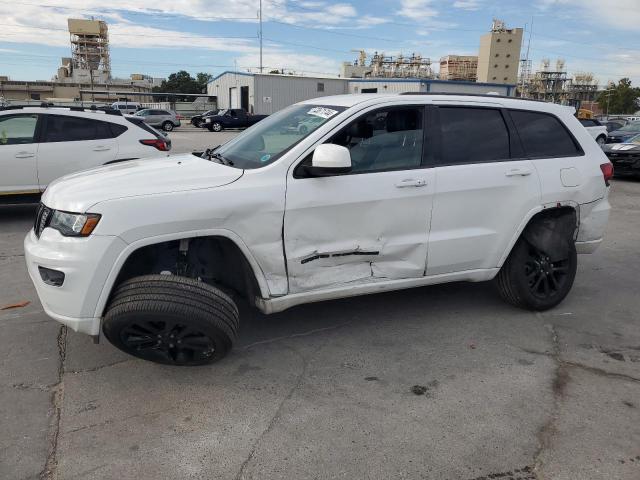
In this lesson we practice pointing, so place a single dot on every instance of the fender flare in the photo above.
(144, 242)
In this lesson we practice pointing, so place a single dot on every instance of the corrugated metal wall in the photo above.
(275, 92)
(386, 86)
(220, 87)
(461, 87)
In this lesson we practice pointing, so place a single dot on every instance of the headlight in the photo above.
(207, 120)
(74, 224)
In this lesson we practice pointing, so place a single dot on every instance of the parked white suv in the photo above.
(382, 192)
(38, 145)
(595, 129)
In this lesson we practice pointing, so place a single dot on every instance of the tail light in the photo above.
(607, 172)
(179, 117)
(160, 143)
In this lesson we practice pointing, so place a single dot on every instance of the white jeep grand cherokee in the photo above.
(380, 192)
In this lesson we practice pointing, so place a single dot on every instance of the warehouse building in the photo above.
(398, 85)
(267, 93)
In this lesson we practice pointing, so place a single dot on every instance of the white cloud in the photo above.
(467, 4)
(417, 9)
(619, 14)
(309, 65)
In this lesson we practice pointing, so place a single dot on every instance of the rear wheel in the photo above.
(167, 126)
(171, 320)
(601, 140)
(534, 279)
(216, 127)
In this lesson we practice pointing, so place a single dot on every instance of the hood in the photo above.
(621, 147)
(79, 191)
(622, 134)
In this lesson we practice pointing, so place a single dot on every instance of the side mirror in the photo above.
(329, 159)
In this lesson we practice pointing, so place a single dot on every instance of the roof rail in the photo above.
(93, 108)
(484, 95)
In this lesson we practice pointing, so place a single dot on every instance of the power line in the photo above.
(186, 36)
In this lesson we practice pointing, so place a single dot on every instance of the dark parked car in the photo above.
(625, 157)
(232, 118)
(198, 120)
(621, 135)
(614, 125)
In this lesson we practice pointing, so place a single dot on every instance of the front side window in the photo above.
(17, 129)
(471, 135)
(389, 139)
(543, 135)
(270, 138)
(62, 128)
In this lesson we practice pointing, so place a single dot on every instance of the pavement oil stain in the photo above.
(524, 473)
(371, 379)
(425, 390)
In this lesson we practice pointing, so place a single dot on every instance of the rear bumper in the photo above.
(593, 223)
(86, 263)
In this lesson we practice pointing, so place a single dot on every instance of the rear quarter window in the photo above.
(543, 135)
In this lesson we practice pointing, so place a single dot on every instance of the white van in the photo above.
(126, 107)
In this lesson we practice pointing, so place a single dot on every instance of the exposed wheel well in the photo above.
(552, 229)
(214, 260)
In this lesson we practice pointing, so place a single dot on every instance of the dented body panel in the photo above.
(353, 227)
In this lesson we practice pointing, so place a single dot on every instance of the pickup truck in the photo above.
(231, 118)
(595, 129)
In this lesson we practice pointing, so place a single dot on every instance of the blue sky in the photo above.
(314, 36)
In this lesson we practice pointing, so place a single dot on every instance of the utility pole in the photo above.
(526, 61)
(260, 34)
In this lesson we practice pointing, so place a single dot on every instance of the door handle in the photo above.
(518, 172)
(101, 149)
(25, 155)
(411, 182)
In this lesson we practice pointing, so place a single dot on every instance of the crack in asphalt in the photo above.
(49, 472)
(595, 370)
(106, 365)
(277, 415)
(118, 420)
(295, 335)
(559, 383)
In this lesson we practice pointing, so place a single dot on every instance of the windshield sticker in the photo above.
(265, 158)
(322, 112)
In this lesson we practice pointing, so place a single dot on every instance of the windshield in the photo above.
(631, 127)
(635, 140)
(265, 142)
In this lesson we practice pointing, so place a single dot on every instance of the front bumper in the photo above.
(86, 263)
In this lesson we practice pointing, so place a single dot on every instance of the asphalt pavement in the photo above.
(444, 382)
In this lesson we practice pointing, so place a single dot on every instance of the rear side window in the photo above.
(116, 129)
(543, 135)
(18, 129)
(471, 135)
(62, 128)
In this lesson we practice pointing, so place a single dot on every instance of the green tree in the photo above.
(183, 82)
(620, 98)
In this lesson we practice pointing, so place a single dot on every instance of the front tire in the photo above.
(171, 320)
(167, 126)
(530, 279)
(601, 140)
